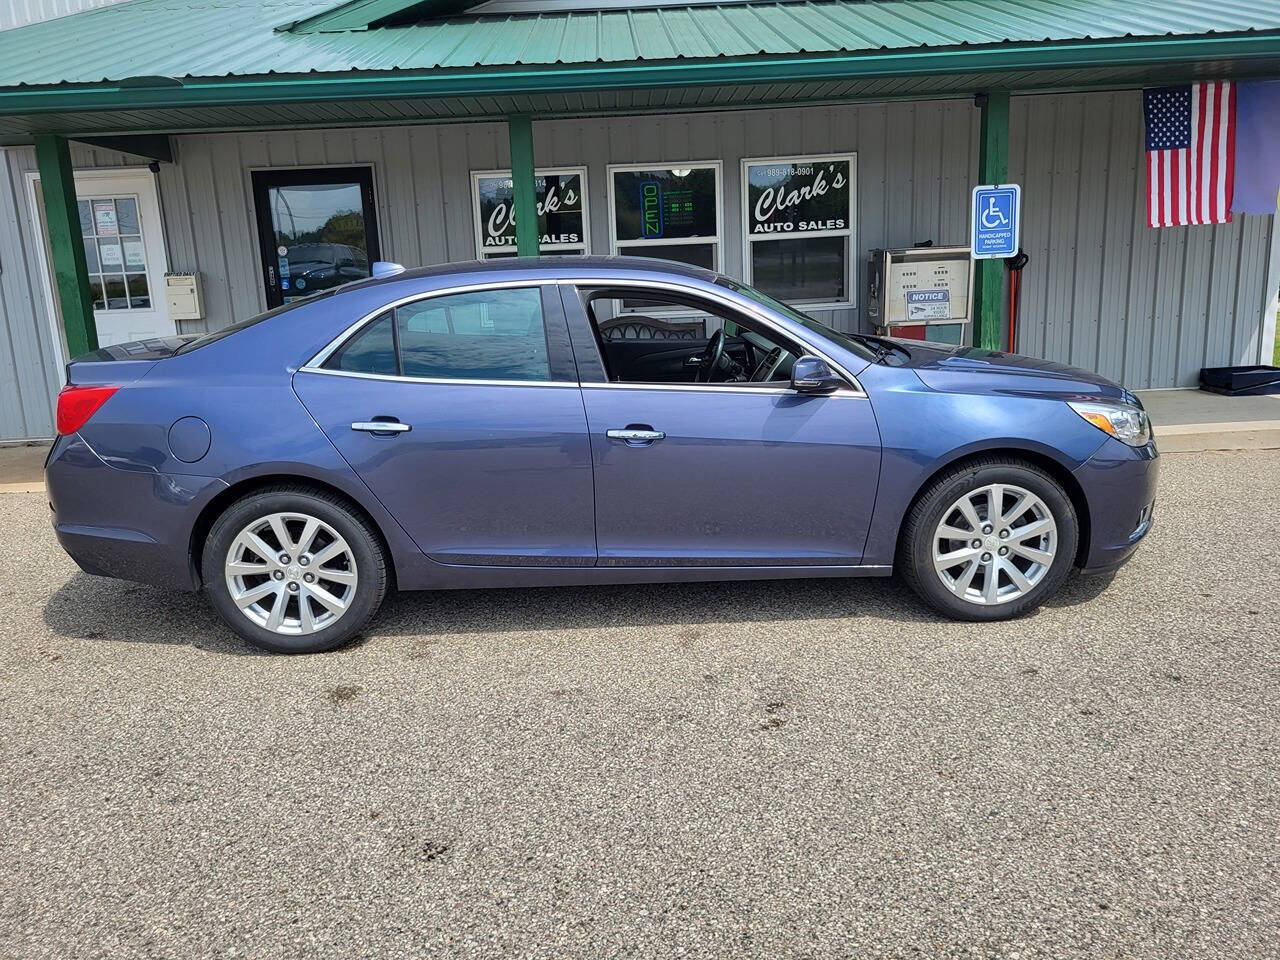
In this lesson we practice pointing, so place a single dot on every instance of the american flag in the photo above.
(1191, 153)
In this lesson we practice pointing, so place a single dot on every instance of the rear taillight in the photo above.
(77, 404)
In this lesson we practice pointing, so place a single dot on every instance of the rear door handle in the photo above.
(385, 427)
(636, 436)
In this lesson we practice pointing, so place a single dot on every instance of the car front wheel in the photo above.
(989, 540)
(294, 570)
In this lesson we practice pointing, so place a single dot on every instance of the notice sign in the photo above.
(928, 305)
(801, 197)
(667, 204)
(560, 210)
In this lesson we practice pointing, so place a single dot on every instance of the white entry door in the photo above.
(124, 251)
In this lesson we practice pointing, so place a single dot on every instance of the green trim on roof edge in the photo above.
(639, 74)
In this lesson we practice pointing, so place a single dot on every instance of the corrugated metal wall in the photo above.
(29, 364)
(17, 13)
(913, 162)
(1103, 291)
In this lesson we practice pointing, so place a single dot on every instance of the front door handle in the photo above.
(636, 435)
(384, 427)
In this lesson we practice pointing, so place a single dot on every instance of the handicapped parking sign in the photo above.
(996, 219)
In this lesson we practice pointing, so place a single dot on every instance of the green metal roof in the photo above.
(220, 38)
(180, 66)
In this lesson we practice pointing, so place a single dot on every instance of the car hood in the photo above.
(971, 370)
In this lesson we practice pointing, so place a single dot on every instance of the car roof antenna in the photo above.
(383, 268)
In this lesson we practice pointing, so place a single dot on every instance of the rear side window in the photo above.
(485, 335)
(372, 350)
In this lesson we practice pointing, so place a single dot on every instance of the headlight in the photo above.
(1124, 421)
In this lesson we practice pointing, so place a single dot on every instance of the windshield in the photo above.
(791, 313)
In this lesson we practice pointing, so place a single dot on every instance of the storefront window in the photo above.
(798, 227)
(562, 202)
(668, 212)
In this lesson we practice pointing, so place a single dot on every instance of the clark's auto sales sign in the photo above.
(799, 197)
(560, 203)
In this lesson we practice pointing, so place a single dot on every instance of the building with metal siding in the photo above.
(1101, 290)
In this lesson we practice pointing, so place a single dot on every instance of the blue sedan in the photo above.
(575, 421)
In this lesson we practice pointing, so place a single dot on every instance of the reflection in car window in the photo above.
(791, 313)
(485, 335)
(372, 350)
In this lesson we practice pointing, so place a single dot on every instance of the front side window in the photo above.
(562, 204)
(667, 211)
(855, 347)
(798, 217)
(705, 344)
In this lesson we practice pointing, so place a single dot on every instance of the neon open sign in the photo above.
(651, 208)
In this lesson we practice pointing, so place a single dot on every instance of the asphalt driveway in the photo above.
(808, 769)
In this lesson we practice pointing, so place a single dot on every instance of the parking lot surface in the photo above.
(792, 769)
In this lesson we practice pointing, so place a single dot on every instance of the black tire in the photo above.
(366, 550)
(915, 546)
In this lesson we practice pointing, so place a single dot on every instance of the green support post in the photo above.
(520, 132)
(66, 246)
(993, 168)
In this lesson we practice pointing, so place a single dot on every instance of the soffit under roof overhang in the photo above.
(394, 111)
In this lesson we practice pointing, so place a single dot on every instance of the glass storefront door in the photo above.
(318, 229)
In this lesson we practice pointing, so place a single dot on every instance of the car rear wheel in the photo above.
(294, 570)
(989, 540)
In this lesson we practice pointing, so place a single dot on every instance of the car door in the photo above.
(729, 474)
(461, 412)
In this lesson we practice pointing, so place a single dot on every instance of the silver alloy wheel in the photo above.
(994, 544)
(291, 573)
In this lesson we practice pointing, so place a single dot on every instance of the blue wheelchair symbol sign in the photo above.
(996, 218)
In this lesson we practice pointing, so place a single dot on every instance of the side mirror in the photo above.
(812, 375)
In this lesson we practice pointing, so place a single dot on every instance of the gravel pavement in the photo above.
(792, 769)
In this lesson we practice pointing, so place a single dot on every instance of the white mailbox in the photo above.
(183, 294)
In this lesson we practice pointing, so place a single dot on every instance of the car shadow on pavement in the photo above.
(1078, 590)
(99, 609)
(442, 613)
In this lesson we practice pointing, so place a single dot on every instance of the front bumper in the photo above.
(1119, 484)
(148, 516)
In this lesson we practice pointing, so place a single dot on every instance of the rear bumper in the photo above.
(130, 524)
(1119, 483)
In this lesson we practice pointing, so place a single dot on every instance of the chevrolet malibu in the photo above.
(575, 421)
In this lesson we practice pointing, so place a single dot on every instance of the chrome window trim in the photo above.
(316, 363)
(475, 383)
(736, 389)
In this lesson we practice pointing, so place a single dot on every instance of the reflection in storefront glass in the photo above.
(320, 238)
(803, 268)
